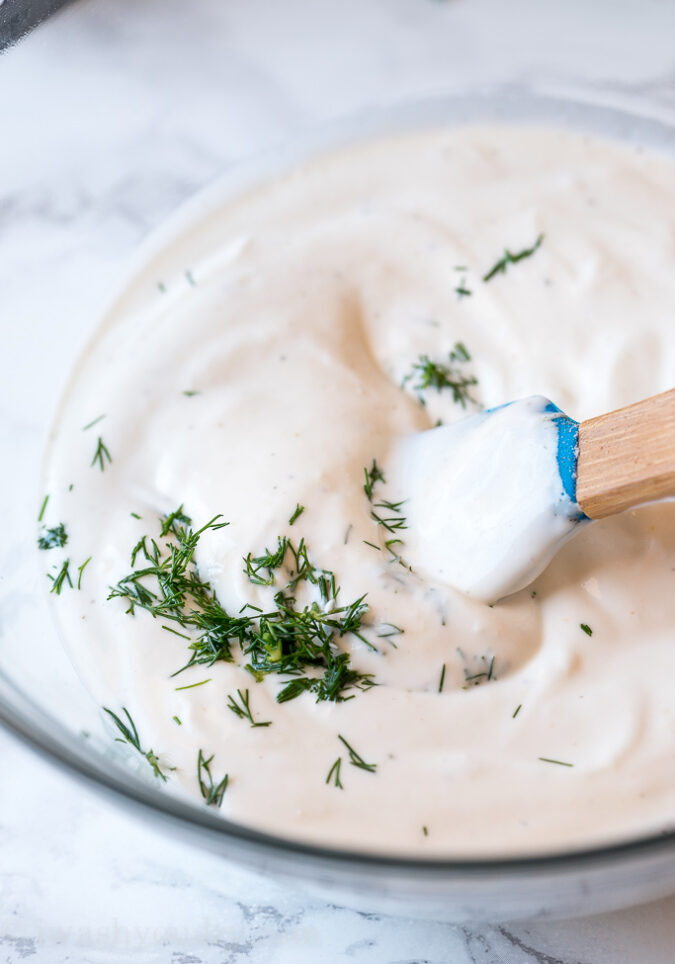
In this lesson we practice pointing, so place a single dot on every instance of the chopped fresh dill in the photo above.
(392, 630)
(43, 507)
(268, 561)
(190, 278)
(560, 763)
(586, 628)
(441, 681)
(372, 545)
(191, 686)
(54, 538)
(482, 676)
(510, 257)
(431, 374)
(135, 515)
(334, 774)
(93, 422)
(356, 759)
(161, 286)
(130, 735)
(80, 570)
(289, 639)
(297, 512)
(62, 576)
(175, 632)
(517, 711)
(462, 291)
(243, 708)
(372, 475)
(392, 522)
(425, 831)
(176, 720)
(190, 393)
(212, 792)
(461, 267)
(101, 454)
(349, 529)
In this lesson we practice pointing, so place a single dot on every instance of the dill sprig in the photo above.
(80, 570)
(510, 257)
(101, 454)
(294, 640)
(61, 578)
(212, 793)
(130, 736)
(432, 374)
(586, 628)
(392, 522)
(356, 759)
(268, 561)
(54, 538)
(242, 709)
(334, 774)
(297, 512)
(93, 422)
(483, 676)
(560, 763)
(372, 475)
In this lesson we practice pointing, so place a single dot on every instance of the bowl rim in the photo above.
(502, 104)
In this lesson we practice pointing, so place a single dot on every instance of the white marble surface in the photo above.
(110, 115)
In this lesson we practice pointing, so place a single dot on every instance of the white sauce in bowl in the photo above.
(321, 292)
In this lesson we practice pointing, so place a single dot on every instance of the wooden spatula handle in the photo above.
(627, 457)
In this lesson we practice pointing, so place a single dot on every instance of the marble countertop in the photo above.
(111, 114)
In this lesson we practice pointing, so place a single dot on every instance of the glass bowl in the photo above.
(45, 705)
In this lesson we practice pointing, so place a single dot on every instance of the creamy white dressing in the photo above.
(486, 508)
(306, 304)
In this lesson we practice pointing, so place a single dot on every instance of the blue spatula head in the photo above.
(491, 498)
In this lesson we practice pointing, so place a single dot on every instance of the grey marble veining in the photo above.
(111, 114)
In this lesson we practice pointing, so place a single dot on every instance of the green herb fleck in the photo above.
(441, 682)
(130, 735)
(191, 686)
(356, 759)
(211, 792)
(62, 576)
(43, 507)
(462, 291)
(190, 393)
(54, 538)
(135, 515)
(392, 522)
(161, 286)
(516, 711)
(101, 454)
(425, 831)
(560, 763)
(190, 278)
(243, 708)
(297, 512)
(587, 629)
(80, 570)
(92, 423)
(176, 720)
(334, 774)
(510, 257)
(372, 475)
(431, 374)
